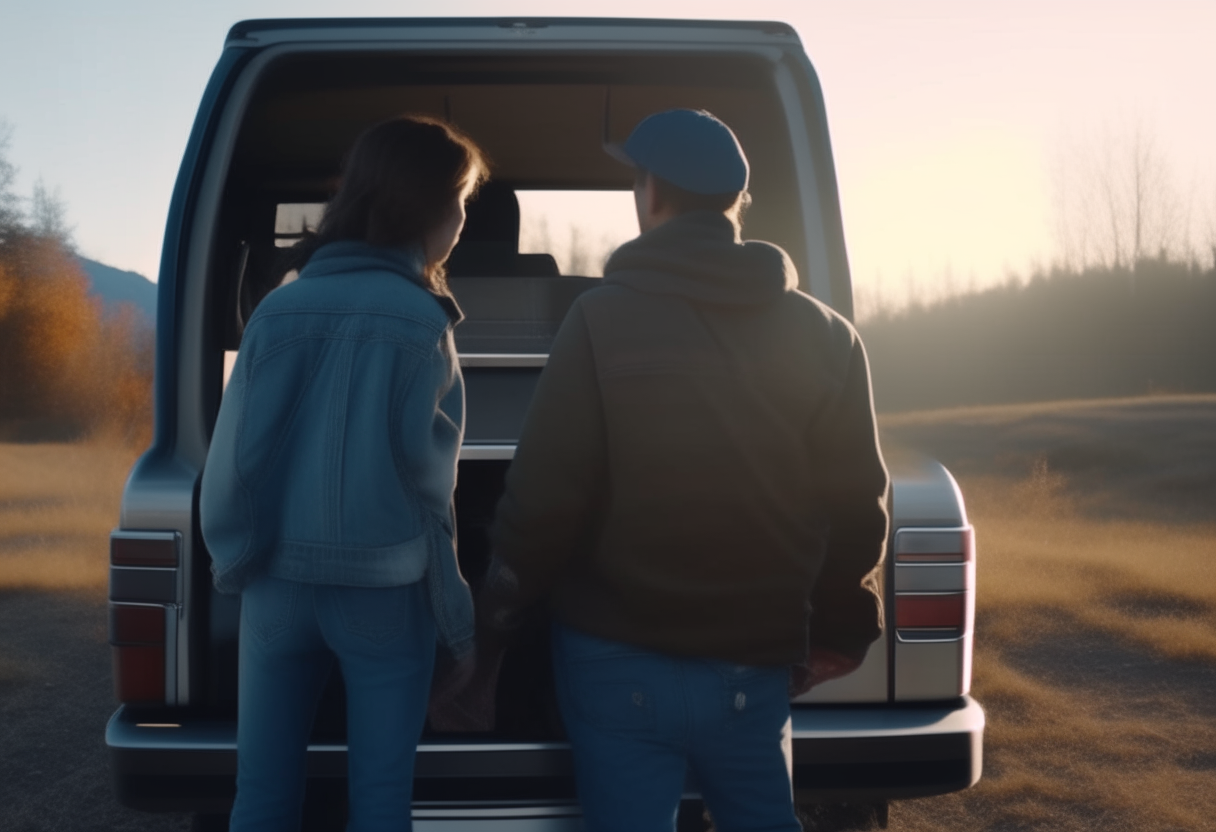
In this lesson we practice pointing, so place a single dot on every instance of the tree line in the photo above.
(1126, 311)
(1128, 308)
(68, 368)
(1093, 332)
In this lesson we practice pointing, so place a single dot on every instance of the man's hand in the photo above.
(463, 698)
(464, 694)
(821, 666)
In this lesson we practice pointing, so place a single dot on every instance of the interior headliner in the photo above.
(542, 119)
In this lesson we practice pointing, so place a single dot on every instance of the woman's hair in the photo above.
(398, 182)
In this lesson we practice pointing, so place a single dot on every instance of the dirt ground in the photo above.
(58, 503)
(1095, 644)
(54, 702)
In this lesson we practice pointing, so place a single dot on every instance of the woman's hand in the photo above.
(453, 676)
(463, 696)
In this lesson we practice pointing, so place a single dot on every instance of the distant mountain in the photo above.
(115, 286)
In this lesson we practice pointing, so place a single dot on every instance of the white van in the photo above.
(541, 96)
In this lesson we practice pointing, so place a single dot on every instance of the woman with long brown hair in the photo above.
(327, 496)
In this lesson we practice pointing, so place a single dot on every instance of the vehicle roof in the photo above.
(264, 31)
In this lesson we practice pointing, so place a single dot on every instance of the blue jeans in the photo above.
(384, 641)
(639, 721)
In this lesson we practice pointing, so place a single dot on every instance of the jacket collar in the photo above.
(358, 256)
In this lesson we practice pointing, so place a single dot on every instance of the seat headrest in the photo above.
(492, 216)
(489, 244)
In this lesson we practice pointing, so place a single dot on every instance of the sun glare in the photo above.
(579, 228)
(981, 196)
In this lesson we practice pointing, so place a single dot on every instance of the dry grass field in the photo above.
(1096, 631)
(1096, 621)
(58, 503)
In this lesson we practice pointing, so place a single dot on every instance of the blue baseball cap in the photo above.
(691, 149)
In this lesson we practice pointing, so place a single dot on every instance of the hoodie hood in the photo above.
(699, 256)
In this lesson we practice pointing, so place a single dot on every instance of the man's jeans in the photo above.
(384, 640)
(638, 721)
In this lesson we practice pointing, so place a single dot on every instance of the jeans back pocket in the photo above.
(620, 706)
(268, 606)
(609, 685)
(749, 693)
(378, 614)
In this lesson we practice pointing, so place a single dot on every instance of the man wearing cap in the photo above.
(699, 496)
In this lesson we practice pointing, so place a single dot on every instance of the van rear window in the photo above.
(292, 219)
(579, 229)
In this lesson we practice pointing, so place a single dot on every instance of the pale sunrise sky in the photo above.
(954, 124)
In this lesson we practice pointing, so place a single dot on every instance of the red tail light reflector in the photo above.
(946, 610)
(137, 639)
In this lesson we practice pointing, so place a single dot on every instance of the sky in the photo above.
(955, 124)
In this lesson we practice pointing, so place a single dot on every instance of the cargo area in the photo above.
(543, 118)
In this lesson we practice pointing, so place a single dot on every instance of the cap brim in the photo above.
(617, 151)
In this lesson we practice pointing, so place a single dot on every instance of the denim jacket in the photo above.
(333, 459)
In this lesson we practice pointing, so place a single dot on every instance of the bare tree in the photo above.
(534, 234)
(579, 256)
(1210, 222)
(10, 204)
(1156, 222)
(48, 215)
(1117, 203)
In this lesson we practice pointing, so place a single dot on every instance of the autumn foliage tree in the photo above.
(68, 368)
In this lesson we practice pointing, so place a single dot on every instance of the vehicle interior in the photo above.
(543, 120)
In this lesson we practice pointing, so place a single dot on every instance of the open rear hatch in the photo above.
(543, 114)
(541, 97)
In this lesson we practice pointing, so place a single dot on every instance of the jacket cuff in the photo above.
(229, 581)
(461, 648)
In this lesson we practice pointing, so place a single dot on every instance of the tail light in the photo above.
(144, 598)
(934, 611)
(931, 613)
(137, 644)
(146, 549)
(934, 580)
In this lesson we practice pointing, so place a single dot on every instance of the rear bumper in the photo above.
(171, 761)
(887, 752)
